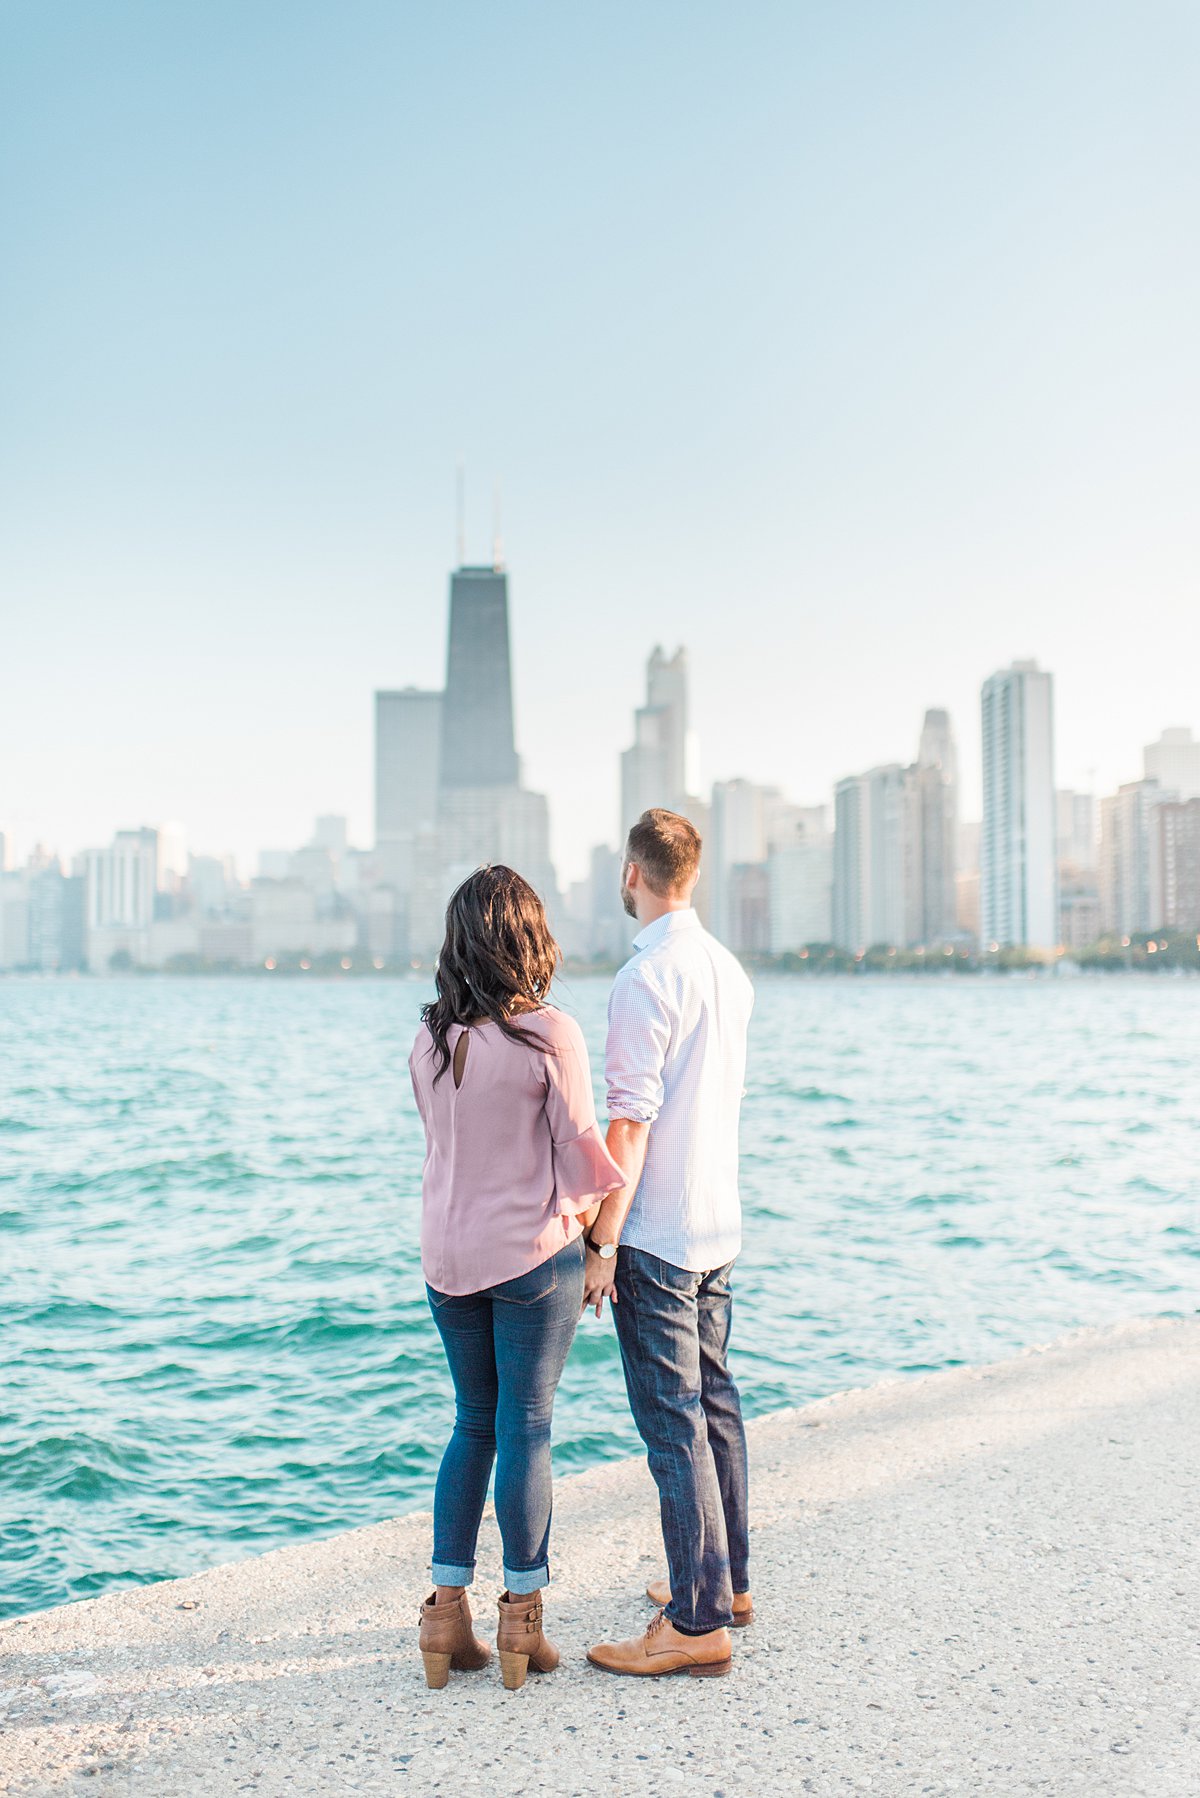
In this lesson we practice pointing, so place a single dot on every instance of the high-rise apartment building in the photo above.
(1080, 914)
(1174, 762)
(1077, 838)
(737, 838)
(872, 865)
(14, 918)
(56, 921)
(212, 880)
(1179, 840)
(1131, 867)
(120, 886)
(895, 856)
(750, 908)
(1018, 862)
(800, 879)
(121, 882)
(966, 880)
(933, 909)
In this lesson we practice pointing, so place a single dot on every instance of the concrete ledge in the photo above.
(982, 1581)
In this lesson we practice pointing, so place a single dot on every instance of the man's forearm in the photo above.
(626, 1142)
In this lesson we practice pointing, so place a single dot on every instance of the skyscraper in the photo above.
(1174, 762)
(478, 749)
(1078, 838)
(654, 769)
(408, 743)
(896, 848)
(800, 878)
(1179, 832)
(739, 839)
(872, 870)
(447, 776)
(1131, 869)
(119, 897)
(934, 906)
(1018, 883)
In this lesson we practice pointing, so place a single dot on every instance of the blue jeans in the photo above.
(673, 1327)
(507, 1347)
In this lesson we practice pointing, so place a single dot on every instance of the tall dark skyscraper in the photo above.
(448, 793)
(477, 711)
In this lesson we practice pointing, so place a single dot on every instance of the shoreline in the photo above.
(977, 1580)
(1070, 970)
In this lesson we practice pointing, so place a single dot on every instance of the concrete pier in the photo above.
(982, 1581)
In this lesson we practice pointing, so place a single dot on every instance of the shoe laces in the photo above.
(656, 1623)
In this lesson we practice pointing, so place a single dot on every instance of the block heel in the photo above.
(713, 1670)
(437, 1669)
(513, 1668)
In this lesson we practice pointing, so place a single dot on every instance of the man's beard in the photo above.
(629, 902)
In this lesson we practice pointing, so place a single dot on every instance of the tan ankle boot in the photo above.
(520, 1640)
(659, 1593)
(448, 1640)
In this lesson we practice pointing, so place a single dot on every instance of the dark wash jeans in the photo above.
(673, 1327)
(507, 1347)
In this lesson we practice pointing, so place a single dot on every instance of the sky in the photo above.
(853, 347)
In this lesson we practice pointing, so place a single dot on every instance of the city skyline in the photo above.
(861, 360)
(1166, 754)
(890, 867)
(572, 833)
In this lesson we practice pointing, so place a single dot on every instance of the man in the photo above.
(675, 1069)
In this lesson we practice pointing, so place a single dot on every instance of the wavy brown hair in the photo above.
(498, 959)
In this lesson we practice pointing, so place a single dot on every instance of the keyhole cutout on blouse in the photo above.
(460, 1058)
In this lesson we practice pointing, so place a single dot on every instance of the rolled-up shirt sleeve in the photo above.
(583, 1168)
(639, 1033)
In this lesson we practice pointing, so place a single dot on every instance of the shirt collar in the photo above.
(667, 925)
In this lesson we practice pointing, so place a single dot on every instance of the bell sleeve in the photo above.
(584, 1171)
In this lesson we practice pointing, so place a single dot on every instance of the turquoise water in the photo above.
(215, 1337)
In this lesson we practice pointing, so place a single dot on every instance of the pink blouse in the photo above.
(511, 1155)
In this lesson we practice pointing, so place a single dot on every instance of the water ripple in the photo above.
(215, 1327)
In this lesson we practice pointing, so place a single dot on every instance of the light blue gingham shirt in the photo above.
(676, 1060)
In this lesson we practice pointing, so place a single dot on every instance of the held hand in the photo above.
(599, 1282)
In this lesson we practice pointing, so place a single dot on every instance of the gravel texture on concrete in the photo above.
(981, 1581)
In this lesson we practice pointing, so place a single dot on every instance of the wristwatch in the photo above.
(605, 1250)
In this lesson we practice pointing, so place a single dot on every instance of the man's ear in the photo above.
(632, 875)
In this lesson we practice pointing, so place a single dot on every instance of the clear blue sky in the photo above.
(854, 346)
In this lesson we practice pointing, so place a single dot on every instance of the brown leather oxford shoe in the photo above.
(664, 1649)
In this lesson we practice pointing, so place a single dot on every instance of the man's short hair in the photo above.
(666, 848)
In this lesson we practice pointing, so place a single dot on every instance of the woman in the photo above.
(515, 1168)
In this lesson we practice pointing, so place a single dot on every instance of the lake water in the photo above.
(215, 1336)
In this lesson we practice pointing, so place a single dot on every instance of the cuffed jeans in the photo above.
(507, 1347)
(673, 1327)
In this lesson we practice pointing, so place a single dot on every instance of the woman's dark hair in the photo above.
(498, 957)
